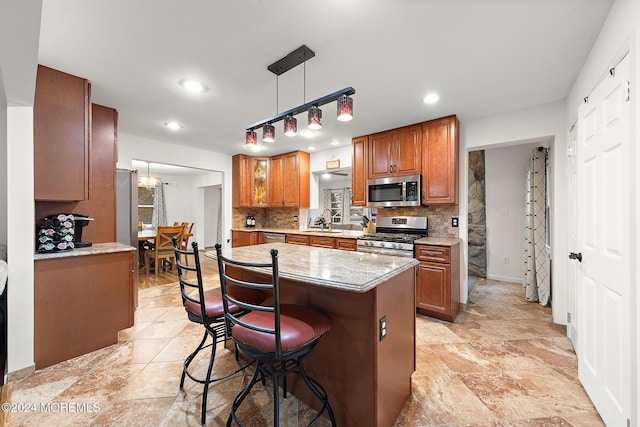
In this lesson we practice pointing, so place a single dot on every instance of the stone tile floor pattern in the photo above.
(502, 363)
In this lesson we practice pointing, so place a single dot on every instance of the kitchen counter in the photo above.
(95, 249)
(341, 234)
(332, 268)
(367, 378)
(437, 241)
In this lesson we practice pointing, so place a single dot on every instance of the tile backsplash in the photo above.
(439, 217)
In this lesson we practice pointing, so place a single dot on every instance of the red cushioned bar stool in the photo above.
(277, 337)
(205, 307)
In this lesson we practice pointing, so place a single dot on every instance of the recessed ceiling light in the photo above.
(173, 125)
(311, 147)
(431, 98)
(335, 142)
(326, 175)
(308, 133)
(192, 85)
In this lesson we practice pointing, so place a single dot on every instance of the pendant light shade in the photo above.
(268, 133)
(250, 140)
(345, 108)
(290, 126)
(315, 118)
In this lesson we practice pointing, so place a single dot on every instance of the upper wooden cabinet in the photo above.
(440, 161)
(359, 170)
(289, 180)
(281, 180)
(260, 181)
(241, 180)
(61, 136)
(395, 152)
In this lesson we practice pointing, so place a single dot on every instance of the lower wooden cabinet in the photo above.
(322, 242)
(438, 281)
(245, 238)
(346, 244)
(297, 239)
(80, 304)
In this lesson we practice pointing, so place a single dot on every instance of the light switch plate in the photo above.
(454, 221)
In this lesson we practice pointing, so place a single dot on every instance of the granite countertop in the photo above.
(331, 268)
(96, 249)
(346, 234)
(437, 241)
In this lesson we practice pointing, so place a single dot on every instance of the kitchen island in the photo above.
(367, 374)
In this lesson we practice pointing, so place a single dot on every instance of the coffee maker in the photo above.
(81, 221)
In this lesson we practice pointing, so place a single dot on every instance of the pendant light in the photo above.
(268, 133)
(147, 181)
(314, 118)
(312, 108)
(345, 108)
(290, 126)
(250, 140)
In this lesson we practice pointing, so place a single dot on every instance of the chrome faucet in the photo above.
(330, 223)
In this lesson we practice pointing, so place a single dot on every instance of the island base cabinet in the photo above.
(80, 304)
(368, 379)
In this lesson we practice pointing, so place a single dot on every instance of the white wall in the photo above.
(541, 123)
(211, 206)
(205, 211)
(21, 210)
(505, 183)
(135, 147)
(179, 196)
(619, 34)
(3, 166)
(19, 36)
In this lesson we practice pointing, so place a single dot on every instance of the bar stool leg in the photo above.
(189, 359)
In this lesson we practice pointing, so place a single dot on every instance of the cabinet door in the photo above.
(359, 158)
(241, 181)
(60, 136)
(276, 187)
(322, 242)
(296, 239)
(259, 181)
(433, 289)
(440, 161)
(291, 180)
(407, 152)
(346, 244)
(380, 154)
(243, 238)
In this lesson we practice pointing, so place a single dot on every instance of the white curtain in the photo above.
(537, 265)
(159, 206)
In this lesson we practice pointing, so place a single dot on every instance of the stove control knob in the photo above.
(381, 244)
(394, 246)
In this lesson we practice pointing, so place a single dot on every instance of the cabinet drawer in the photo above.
(296, 239)
(323, 242)
(433, 253)
(346, 244)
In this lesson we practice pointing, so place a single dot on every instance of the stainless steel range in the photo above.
(394, 235)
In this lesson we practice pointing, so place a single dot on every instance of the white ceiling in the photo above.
(145, 168)
(481, 57)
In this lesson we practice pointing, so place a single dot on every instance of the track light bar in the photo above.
(303, 108)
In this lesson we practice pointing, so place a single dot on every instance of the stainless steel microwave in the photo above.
(394, 191)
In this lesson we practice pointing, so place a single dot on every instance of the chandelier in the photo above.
(148, 181)
(314, 113)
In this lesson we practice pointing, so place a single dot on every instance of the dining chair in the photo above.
(162, 248)
(186, 235)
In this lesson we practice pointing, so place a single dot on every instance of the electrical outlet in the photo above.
(383, 327)
(295, 218)
(454, 221)
(505, 260)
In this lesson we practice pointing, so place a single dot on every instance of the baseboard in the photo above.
(22, 373)
(505, 278)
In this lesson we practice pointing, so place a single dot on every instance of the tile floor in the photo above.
(502, 363)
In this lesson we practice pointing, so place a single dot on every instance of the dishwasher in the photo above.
(274, 238)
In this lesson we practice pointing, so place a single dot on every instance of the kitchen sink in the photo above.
(319, 230)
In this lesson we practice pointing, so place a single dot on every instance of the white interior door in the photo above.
(572, 269)
(604, 275)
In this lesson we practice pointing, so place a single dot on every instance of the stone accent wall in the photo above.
(439, 217)
(477, 216)
(267, 217)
